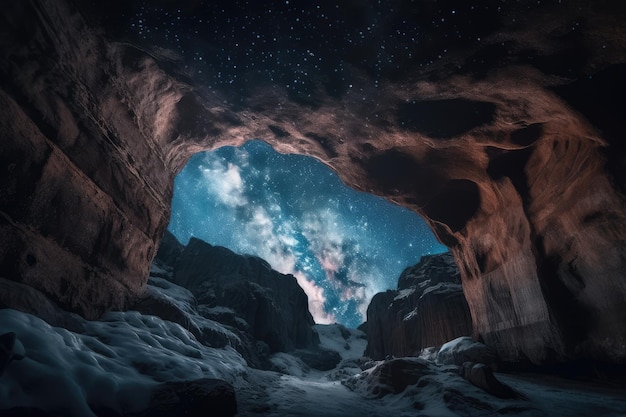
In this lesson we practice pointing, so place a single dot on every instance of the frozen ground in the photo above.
(115, 362)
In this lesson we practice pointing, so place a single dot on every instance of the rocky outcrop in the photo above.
(465, 349)
(481, 375)
(30, 300)
(391, 376)
(272, 305)
(427, 309)
(492, 137)
(193, 399)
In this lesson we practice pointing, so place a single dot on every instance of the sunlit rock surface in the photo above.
(510, 147)
(427, 309)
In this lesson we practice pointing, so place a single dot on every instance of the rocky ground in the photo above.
(177, 356)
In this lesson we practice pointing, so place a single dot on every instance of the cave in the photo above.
(499, 123)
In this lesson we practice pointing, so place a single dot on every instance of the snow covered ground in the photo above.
(117, 361)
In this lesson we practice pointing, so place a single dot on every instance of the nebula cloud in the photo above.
(342, 246)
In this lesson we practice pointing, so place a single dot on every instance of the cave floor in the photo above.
(313, 395)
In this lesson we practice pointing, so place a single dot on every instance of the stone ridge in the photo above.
(427, 309)
(272, 304)
(430, 270)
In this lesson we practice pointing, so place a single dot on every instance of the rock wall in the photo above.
(274, 307)
(427, 309)
(497, 145)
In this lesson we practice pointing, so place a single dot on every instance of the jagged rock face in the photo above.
(428, 309)
(272, 304)
(510, 148)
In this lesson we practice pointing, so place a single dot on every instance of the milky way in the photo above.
(342, 245)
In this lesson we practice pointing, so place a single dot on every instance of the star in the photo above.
(345, 244)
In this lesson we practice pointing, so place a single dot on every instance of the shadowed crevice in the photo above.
(445, 119)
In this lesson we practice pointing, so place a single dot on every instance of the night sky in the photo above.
(308, 48)
(342, 245)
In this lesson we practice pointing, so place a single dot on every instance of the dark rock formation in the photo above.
(272, 305)
(192, 398)
(482, 376)
(30, 300)
(154, 302)
(526, 189)
(169, 250)
(391, 376)
(318, 358)
(428, 309)
(465, 349)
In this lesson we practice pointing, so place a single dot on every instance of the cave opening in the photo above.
(342, 245)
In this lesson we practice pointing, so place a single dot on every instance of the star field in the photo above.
(342, 245)
(307, 47)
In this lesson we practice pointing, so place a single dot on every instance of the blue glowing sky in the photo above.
(342, 245)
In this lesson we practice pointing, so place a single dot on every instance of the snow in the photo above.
(117, 361)
(404, 293)
(289, 365)
(332, 337)
(464, 349)
(411, 315)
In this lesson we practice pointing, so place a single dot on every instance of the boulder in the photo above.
(318, 358)
(465, 349)
(390, 376)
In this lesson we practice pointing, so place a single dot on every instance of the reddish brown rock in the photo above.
(500, 146)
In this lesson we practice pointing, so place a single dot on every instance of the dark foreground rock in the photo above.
(427, 309)
(482, 376)
(27, 299)
(272, 304)
(318, 358)
(391, 377)
(465, 349)
(200, 398)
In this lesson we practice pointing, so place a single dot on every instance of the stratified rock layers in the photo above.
(92, 133)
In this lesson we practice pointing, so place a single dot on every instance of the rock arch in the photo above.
(521, 189)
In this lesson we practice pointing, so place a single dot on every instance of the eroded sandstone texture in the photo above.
(511, 147)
